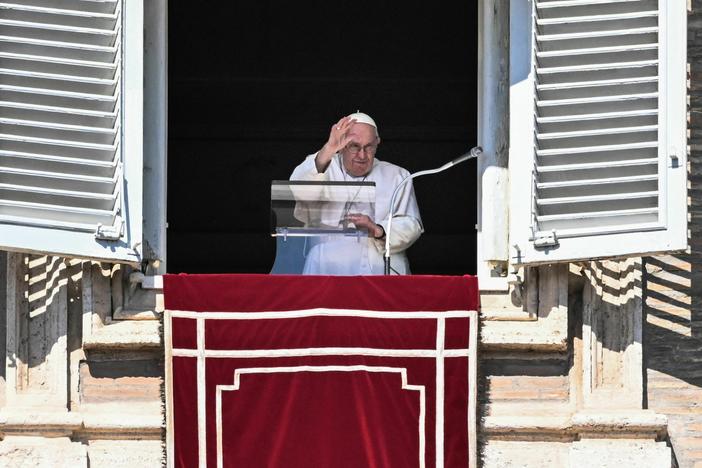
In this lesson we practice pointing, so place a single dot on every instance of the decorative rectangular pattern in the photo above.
(261, 373)
(60, 114)
(597, 164)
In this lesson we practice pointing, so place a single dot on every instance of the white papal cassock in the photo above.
(340, 255)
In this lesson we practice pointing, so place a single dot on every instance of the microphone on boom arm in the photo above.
(473, 153)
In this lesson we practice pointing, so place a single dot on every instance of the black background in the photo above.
(255, 86)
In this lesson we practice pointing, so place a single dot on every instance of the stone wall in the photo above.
(673, 289)
(80, 386)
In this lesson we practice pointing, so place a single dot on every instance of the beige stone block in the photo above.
(687, 442)
(125, 453)
(672, 307)
(120, 380)
(620, 453)
(522, 454)
(676, 410)
(672, 262)
(40, 452)
(684, 330)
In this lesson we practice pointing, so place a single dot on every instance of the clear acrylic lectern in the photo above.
(304, 213)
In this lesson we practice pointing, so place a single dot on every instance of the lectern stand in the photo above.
(304, 213)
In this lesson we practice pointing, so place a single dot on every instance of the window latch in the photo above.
(545, 241)
(111, 233)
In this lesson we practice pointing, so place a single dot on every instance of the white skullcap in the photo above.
(360, 117)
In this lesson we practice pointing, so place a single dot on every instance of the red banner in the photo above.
(304, 371)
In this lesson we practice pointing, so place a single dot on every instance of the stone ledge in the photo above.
(614, 424)
(113, 421)
(125, 335)
(541, 335)
(28, 421)
(525, 425)
(640, 422)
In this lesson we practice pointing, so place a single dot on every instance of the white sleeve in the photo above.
(406, 222)
(307, 170)
(405, 231)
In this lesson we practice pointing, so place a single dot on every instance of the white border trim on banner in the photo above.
(288, 314)
(294, 369)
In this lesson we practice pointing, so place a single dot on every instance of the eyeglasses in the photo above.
(355, 148)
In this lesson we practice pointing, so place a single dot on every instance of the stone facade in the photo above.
(81, 388)
(672, 288)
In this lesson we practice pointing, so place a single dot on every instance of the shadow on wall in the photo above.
(673, 309)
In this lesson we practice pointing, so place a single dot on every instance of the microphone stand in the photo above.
(473, 153)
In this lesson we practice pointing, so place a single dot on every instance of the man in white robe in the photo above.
(349, 155)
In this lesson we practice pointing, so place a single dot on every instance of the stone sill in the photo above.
(125, 335)
(585, 424)
(112, 421)
(540, 335)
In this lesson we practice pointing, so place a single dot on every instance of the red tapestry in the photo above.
(304, 371)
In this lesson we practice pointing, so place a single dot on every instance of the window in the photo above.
(598, 143)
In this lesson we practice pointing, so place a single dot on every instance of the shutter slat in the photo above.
(595, 99)
(599, 67)
(594, 18)
(57, 159)
(582, 118)
(66, 143)
(109, 66)
(598, 165)
(592, 182)
(48, 223)
(71, 178)
(111, 99)
(59, 44)
(596, 83)
(598, 149)
(82, 80)
(598, 198)
(60, 110)
(597, 50)
(59, 27)
(54, 192)
(568, 3)
(596, 34)
(599, 220)
(56, 11)
(110, 131)
(595, 132)
(72, 214)
(598, 214)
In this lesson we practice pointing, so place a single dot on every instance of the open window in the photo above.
(598, 118)
(71, 128)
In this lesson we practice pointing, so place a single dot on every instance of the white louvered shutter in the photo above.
(70, 127)
(598, 149)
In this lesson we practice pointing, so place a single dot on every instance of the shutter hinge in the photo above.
(110, 232)
(546, 240)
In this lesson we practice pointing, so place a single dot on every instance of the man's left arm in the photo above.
(406, 221)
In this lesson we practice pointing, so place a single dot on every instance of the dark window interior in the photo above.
(255, 86)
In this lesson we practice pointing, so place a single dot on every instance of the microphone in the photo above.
(473, 153)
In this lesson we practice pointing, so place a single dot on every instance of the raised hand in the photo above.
(338, 139)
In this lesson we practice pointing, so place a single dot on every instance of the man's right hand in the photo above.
(338, 139)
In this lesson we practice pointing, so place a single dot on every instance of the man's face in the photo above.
(359, 153)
